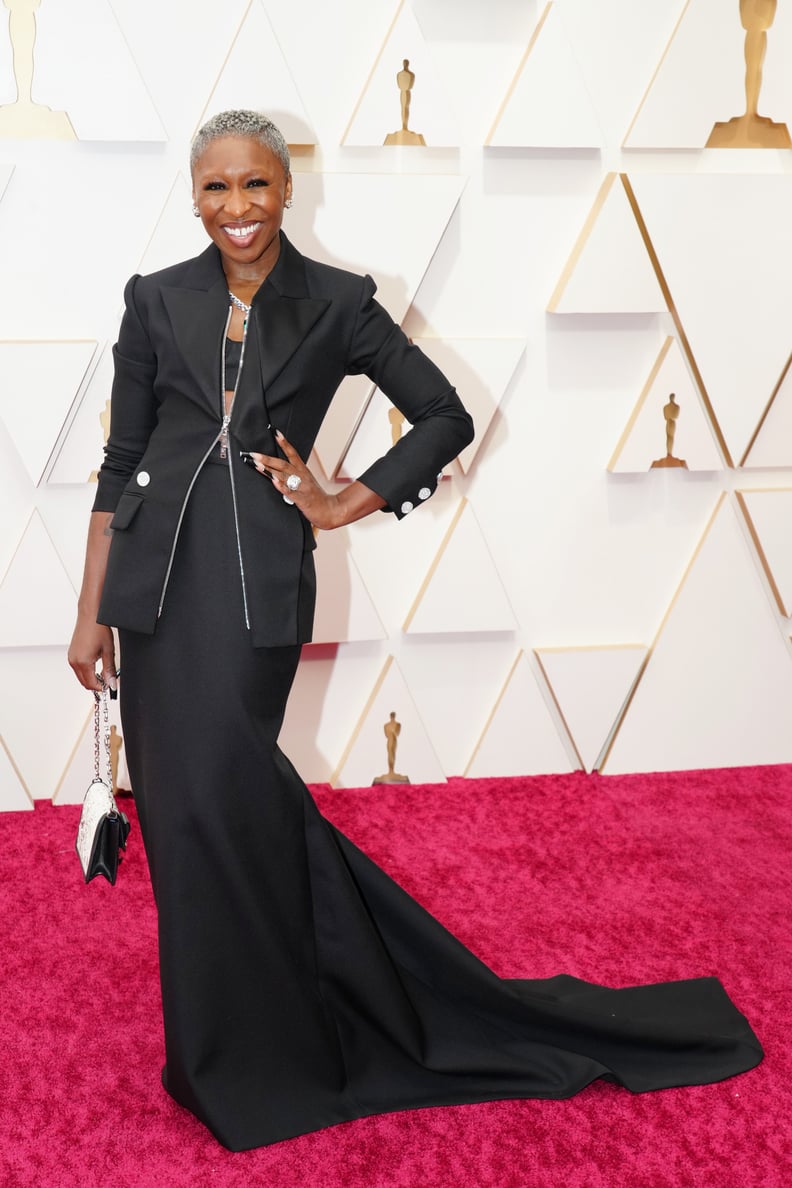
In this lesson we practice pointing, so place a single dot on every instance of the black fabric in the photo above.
(301, 986)
(233, 357)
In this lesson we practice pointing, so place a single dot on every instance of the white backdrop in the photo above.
(567, 249)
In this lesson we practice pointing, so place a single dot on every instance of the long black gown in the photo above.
(301, 986)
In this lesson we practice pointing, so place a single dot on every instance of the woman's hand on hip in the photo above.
(292, 478)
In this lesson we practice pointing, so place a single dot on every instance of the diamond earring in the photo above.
(196, 211)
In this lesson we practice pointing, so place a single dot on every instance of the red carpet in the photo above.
(617, 879)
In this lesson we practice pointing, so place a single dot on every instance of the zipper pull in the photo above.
(224, 436)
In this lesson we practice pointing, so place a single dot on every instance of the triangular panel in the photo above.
(257, 76)
(394, 558)
(455, 682)
(178, 235)
(5, 178)
(717, 689)
(50, 373)
(591, 687)
(330, 690)
(479, 368)
(464, 563)
(333, 221)
(645, 441)
(17, 500)
(378, 112)
(65, 513)
(13, 795)
(521, 737)
(40, 741)
(771, 445)
(366, 755)
(204, 43)
(380, 425)
(769, 518)
(609, 270)
(729, 283)
(548, 105)
(80, 454)
(37, 600)
(92, 75)
(341, 421)
(344, 610)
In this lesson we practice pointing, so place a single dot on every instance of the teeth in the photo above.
(242, 232)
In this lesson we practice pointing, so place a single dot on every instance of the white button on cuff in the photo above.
(424, 493)
(143, 479)
(406, 507)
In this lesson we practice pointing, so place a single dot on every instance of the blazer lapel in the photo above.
(197, 310)
(284, 313)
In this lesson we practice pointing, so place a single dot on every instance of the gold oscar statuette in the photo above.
(104, 421)
(392, 730)
(24, 119)
(752, 130)
(671, 414)
(406, 81)
(116, 743)
(396, 419)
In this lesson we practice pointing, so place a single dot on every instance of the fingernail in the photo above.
(278, 434)
(114, 694)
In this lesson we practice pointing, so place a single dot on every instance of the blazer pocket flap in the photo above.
(128, 507)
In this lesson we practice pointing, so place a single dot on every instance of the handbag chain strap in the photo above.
(102, 737)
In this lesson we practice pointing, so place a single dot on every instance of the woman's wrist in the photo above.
(354, 502)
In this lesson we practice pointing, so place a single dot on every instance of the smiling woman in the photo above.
(240, 192)
(300, 986)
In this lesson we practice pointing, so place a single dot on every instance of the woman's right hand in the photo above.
(91, 642)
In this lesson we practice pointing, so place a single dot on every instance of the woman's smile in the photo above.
(242, 233)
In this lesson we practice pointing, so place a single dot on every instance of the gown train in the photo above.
(301, 986)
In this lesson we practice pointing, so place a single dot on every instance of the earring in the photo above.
(196, 211)
(288, 204)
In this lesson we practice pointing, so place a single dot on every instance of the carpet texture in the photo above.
(618, 880)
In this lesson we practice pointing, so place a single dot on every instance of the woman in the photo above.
(301, 987)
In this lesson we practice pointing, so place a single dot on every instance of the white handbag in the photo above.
(103, 829)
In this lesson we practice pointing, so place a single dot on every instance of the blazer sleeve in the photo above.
(441, 427)
(133, 407)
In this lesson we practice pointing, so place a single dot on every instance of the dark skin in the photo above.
(240, 189)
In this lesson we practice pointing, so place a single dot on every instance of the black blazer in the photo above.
(310, 325)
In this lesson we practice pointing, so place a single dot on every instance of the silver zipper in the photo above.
(239, 543)
(222, 438)
(224, 446)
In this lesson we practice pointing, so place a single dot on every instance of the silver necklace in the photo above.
(239, 303)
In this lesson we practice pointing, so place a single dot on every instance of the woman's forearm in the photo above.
(356, 501)
(97, 549)
(92, 641)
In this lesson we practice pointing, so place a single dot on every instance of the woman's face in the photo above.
(240, 189)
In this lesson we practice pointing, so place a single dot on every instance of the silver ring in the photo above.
(293, 482)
